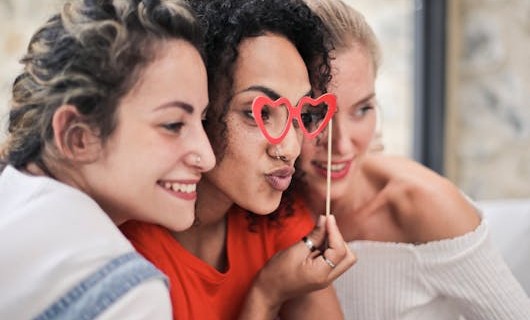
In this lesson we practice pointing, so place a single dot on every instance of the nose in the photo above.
(340, 142)
(289, 148)
(201, 155)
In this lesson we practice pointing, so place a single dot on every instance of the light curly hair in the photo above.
(89, 55)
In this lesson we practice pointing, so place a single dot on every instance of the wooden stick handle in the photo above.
(328, 171)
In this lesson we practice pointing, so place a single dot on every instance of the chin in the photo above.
(183, 227)
(264, 211)
(264, 207)
(317, 188)
(179, 222)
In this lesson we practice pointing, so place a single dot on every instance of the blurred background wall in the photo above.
(487, 142)
(488, 147)
(19, 19)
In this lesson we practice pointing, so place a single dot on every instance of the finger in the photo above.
(341, 265)
(335, 249)
(338, 257)
(329, 262)
(335, 239)
(319, 232)
(309, 244)
(323, 269)
(327, 269)
(337, 252)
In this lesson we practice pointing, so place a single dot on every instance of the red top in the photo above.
(199, 291)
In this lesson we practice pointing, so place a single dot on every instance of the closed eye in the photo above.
(360, 112)
(249, 114)
(265, 114)
(173, 127)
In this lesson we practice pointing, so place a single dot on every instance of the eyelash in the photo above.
(174, 127)
(248, 114)
(363, 110)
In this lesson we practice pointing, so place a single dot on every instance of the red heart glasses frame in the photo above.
(294, 113)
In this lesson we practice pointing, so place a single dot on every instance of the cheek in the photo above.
(242, 151)
(308, 153)
(363, 133)
(308, 149)
(237, 147)
(244, 141)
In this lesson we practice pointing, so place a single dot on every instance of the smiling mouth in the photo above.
(337, 170)
(186, 191)
(179, 187)
(335, 167)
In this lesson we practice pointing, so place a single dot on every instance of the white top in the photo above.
(51, 237)
(509, 222)
(438, 280)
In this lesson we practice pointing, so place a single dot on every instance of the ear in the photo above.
(73, 138)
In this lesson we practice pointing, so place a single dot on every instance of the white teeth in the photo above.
(334, 167)
(338, 167)
(180, 187)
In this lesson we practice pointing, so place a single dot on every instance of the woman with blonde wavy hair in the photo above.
(423, 248)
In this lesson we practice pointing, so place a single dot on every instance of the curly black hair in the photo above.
(226, 24)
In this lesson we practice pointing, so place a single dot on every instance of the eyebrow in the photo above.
(179, 104)
(269, 92)
(366, 99)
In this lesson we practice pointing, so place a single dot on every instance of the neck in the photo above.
(33, 169)
(212, 204)
(354, 196)
(207, 239)
(343, 206)
(315, 202)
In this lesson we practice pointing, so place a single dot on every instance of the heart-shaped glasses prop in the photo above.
(274, 119)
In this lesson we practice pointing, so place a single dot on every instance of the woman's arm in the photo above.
(316, 305)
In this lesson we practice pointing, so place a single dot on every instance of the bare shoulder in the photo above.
(425, 205)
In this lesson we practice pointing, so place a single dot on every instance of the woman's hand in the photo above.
(299, 269)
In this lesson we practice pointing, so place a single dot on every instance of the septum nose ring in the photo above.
(279, 156)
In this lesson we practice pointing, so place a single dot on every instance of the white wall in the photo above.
(18, 20)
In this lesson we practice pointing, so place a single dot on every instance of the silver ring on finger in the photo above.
(329, 262)
(309, 244)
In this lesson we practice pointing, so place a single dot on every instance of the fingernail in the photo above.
(321, 220)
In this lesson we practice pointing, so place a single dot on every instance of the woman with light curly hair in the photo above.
(105, 126)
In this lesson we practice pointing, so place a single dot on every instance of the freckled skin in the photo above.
(269, 61)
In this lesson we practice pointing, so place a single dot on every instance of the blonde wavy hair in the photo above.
(346, 29)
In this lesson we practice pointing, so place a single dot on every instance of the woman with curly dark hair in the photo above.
(105, 126)
(254, 48)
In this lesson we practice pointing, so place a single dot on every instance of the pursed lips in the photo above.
(280, 179)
